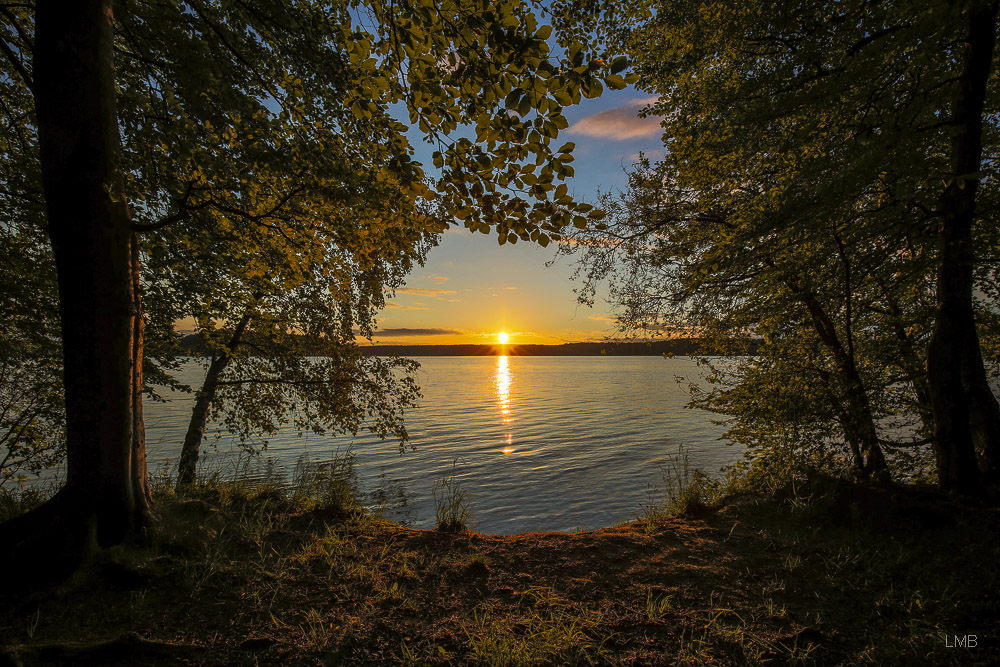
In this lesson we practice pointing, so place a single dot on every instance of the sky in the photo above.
(471, 288)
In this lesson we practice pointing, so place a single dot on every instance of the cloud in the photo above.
(620, 123)
(399, 333)
(399, 307)
(425, 291)
(440, 279)
(510, 288)
(602, 318)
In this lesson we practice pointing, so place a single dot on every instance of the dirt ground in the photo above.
(836, 574)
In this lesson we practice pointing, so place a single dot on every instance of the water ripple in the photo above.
(541, 443)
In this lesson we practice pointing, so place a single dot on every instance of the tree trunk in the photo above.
(106, 497)
(139, 475)
(188, 465)
(845, 422)
(910, 363)
(964, 407)
(985, 420)
(858, 421)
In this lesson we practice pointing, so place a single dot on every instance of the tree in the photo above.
(674, 269)
(805, 149)
(965, 409)
(31, 419)
(291, 358)
(202, 170)
(106, 495)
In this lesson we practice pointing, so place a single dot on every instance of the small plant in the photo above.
(315, 630)
(685, 491)
(161, 481)
(33, 623)
(452, 503)
(136, 602)
(424, 655)
(331, 484)
(14, 501)
(774, 610)
(657, 605)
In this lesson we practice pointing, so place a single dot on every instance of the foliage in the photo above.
(30, 355)
(31, 417)
(796, 213)
(269, 176)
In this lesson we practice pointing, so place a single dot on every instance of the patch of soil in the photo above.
(836, 574)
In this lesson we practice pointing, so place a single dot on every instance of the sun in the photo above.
(502, 337)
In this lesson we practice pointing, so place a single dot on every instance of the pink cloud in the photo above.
(425, 291)
(620, 123)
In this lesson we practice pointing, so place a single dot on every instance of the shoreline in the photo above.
(835, 572)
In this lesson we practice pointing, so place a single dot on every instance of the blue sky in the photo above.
(471, 288)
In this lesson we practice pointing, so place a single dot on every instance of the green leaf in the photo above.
(512, 99)
(592, 89)
(524, 106)
(615, 82)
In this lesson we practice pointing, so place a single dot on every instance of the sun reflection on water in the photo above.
(502, 381)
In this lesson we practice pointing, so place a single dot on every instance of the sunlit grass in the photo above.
(542, 629)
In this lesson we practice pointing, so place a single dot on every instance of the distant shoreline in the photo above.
(681, 347)
(194, 345)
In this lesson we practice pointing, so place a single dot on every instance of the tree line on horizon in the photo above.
(826, 198)
(196, 345)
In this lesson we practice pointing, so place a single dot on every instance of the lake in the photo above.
(539, 443)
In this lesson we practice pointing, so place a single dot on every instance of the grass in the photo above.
(299, 571)
(452, 503)
(684, 492)
(17, 500)
(542, 629)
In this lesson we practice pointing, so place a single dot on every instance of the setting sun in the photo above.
(502, 337)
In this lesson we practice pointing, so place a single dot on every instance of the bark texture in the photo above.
(856, 417)
(188, 465)
(106, 496)
(965, 410)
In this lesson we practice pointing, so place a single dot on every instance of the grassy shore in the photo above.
(826, 572)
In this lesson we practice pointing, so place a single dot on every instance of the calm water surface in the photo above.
(540, 443)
